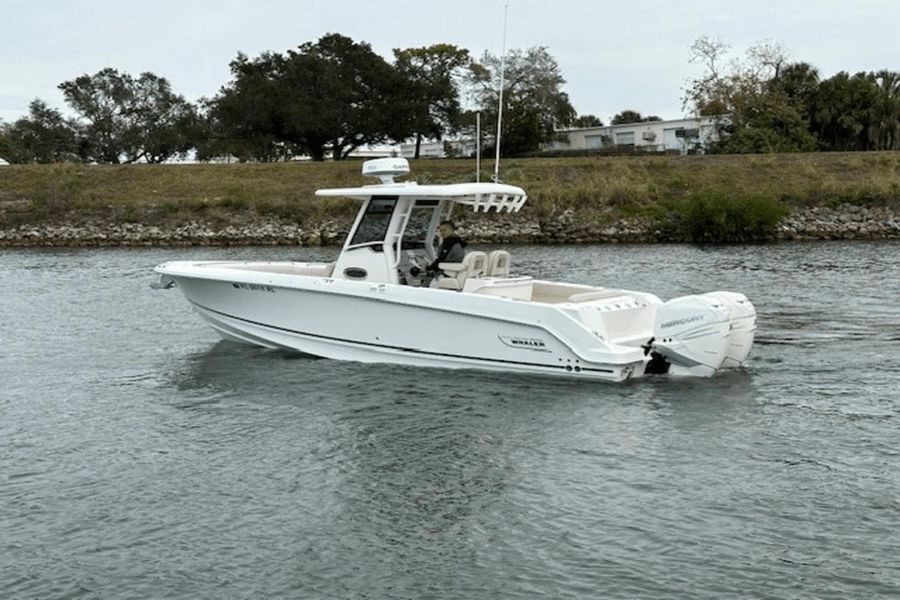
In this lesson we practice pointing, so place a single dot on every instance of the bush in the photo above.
(716, 218)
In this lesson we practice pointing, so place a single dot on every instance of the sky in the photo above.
(614, 55)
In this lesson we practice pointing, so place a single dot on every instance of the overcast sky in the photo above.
(614, 55)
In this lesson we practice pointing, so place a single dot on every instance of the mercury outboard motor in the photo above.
(743, 326)
(698, 335)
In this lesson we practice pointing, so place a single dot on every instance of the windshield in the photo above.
(416, 233)
(375, 221)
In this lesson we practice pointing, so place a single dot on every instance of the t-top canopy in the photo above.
(480, 196)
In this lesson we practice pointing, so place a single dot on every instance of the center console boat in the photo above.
(373, 305)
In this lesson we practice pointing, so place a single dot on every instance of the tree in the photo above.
(768, 124)
(885, 125)
(765, 59)
(843, 111)
(163, 124)
(753, 113)
(632, 116)
(333, 95)
(245, 119)
(101, 100)
(798, 82)
(587, 121)
(44, 136)
(342, 96)
(124, 119)
(534, 103)
(708, 93)
(5, 148)
(432, 75)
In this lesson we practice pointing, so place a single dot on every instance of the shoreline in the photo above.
(635, 199)
(846, 222)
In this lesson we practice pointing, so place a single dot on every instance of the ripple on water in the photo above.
(141, 457)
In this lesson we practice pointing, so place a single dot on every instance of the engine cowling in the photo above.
(698, 335)
(743, 326)
(692, 333)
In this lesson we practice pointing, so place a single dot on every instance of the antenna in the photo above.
(478, 146)
(500, 107)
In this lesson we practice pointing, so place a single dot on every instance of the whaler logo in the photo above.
(683, 321)
(524, 343)
(253, 287)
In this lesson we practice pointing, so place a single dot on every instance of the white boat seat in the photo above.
(498, 264)
(472, 265)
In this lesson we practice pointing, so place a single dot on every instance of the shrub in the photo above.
(716, 218)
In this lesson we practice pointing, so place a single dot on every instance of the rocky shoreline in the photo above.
(846, 222)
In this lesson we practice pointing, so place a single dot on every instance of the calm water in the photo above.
(142, 458)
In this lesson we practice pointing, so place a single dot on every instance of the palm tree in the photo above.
(885, 128)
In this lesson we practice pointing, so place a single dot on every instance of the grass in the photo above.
(747, 191)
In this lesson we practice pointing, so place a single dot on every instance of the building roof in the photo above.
(681, 121)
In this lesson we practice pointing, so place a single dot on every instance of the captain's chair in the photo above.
(498, 264)
(473, 265)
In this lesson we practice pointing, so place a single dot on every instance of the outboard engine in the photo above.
(743, 326)
(698, 335)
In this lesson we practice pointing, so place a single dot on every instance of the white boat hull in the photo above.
(397, 324)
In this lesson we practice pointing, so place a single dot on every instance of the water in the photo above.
(142, 458)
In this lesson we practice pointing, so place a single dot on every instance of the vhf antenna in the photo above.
(478, 146)
(500, 107)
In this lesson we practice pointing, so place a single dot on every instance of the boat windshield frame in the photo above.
(368, 215)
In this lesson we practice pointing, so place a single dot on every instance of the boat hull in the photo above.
(396, 324)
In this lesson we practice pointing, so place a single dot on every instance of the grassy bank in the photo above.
(666, 189)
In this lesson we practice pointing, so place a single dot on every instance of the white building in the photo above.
(459, 148)
(368, 151)
(447, 148)
(679, 135)
(427, 149)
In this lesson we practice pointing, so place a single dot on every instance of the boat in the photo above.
(375, 304)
